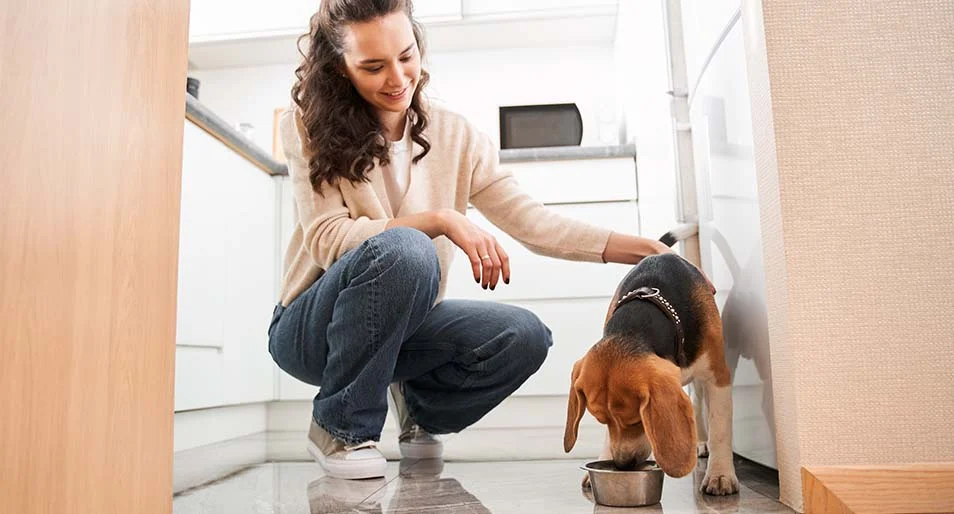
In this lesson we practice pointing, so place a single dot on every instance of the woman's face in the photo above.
(383, 62)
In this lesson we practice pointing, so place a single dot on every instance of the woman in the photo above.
(381, 182)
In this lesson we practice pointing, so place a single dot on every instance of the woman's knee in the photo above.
(407, 251)
(292, 362)
(534, 337)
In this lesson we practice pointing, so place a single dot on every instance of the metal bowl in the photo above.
(615, 488)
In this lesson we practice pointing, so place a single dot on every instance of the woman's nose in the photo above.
(395, 75)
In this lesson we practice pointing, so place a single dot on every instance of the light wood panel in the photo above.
(277, 152)
(914, 488)
(91, 109)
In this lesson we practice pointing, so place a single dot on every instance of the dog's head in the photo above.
(641, 401)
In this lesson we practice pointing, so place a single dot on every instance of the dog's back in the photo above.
(643, 326)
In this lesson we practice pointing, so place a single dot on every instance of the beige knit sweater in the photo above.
(462, 167)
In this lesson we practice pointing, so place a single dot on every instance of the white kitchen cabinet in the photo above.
(475, 8)
(219, 19)
(226, 283)
(212, 20)
(244, 33)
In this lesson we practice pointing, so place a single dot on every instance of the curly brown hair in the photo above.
(343, 135)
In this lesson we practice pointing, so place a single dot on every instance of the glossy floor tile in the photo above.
(411, 486)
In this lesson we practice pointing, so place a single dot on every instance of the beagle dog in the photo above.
(662, 331)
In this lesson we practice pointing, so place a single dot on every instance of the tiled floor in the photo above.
(457, 487)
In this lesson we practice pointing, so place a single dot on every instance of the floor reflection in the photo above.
(419, 487)
(434, 486)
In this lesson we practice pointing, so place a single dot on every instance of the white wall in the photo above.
(248, 95)
(476, 83)
(473, 83)
(641, 82)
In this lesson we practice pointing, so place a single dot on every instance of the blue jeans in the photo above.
(370, 320)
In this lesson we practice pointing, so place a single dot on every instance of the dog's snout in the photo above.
(626, 463)
(629, 459)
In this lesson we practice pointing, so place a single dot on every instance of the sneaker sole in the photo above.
(349, 472)
(422, 451)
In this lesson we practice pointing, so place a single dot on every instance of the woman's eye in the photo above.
(374, 70)
(406, 59)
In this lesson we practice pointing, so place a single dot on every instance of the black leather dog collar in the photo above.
(652, 294)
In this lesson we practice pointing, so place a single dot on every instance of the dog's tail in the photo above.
(679, 233)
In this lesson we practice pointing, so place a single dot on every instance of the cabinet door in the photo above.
(577, 181)
(216, 20)
(227, 280)
(530, 8)
(238, 19)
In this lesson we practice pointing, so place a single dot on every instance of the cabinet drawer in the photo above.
(591, 180)
(535, 276)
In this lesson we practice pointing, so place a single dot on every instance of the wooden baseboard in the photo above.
(903, 488)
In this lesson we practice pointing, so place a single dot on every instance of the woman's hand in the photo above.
(488, 259)
(626, 249)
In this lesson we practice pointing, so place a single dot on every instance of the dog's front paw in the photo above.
(586, 481)
(702, 449)
(720, 484)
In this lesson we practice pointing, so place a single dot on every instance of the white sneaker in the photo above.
(414, 442)
(418, 444)
(343, 461)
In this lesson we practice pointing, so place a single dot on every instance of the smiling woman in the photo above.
(382, 181)
(368, 51)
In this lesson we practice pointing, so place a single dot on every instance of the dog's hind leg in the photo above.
(720, 478)
(699, 406)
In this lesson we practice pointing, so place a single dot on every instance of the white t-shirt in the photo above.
(397, 174)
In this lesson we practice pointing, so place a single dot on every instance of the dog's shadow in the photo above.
(745, 318)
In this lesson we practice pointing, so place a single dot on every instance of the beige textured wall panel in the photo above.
(853, 107)
(773, 245)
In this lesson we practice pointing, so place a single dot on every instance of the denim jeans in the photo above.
(370, 320)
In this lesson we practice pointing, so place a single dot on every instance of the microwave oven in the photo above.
(534, 126)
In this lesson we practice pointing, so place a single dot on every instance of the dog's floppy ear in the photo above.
(668, 419)
(574, 408)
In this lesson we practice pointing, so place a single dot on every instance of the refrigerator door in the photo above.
(729, 230)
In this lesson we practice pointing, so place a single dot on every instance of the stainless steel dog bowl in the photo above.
(615, 488)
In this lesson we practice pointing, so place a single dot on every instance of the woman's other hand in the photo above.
(488, 260)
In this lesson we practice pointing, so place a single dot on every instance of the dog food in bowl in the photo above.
(615, 488)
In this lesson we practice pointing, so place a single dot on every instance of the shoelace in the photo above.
(412, 433)
(366, 444)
